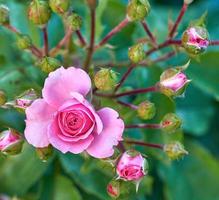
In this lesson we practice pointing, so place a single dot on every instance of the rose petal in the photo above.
(113, 126)
(38, 115)
(61, 83)
(65, 146)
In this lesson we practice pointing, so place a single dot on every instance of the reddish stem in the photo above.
(12, 29)
(129, 105)
(214, 43)
(149, 126)
(147, 30)
(159, 146)
(81, 38)
(165, 57)
(46, 42)
(92, 40)
(115, 30)
(178, 20)
(132, 92)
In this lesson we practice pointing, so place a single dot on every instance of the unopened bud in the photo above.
(4, 15)
(113, 188)
(24, 42)
(74, 21)
(136, 53)
(105, 79)
(175, 150)
(11, 142)
(137, 10)
(188, 1)
(49, 64)
(92, 3)
(173, 81)
(195, 40)
(39, 12)
(170, 123)
(146, 110)
(44, 153)
(3, 98)
(59, 6)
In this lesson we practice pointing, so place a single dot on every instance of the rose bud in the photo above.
(195, 40)
(113, 189)
(44, 153)
(24, 41)
(175, 150)
(48, 64)
(59, 6)
(131, 166)
(3, 98)
(146, 110)
(39, 12)
(92, 3)
(136, 53)
(4, 15)
(170, 123)
(105, 79)
(137, 10)
(11, 142)
(173, 82)
(74, 21)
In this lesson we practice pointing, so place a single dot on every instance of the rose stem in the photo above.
(147, 30)
(92, 40)
(129, 105)
(46, 42)
(214, 42)
(121, 147)
(115, 30)
(124, 77)
(62, 42)
(178, 20)
(81, 38)
(35, 51)
(159, 146)
(149, 126)
(132, 92)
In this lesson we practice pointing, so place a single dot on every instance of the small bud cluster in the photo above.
(48, 64)
(4, 15)
(146, 110)
(136, 53)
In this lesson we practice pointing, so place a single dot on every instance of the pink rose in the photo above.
(131, 166)
(67, 121)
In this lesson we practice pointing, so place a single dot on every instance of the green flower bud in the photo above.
(39, 12)
(195, 40)
(3, 98)
(44, 153)
(146, 110)
(11, 142)
(170, 123)
(113, 188)
(137, 10)
(4, 15)
(48, 64)
(59, 6)
(105, 79)
(92, 3)
(74, 21)
(24, 42)
(136, 53)
(175, 150)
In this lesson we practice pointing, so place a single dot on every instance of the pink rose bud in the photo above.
(131, 166)
(10, 142)
(113, 189)
(195, 40)
(173, 82)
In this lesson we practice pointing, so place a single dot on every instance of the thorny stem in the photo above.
(149, 126)
(64, 40)
(115, 30)
(132, 92)
(92, 40)
(46, 42)
(178, 20)
(129, 105)
(158, 146)
(81, 38)
(147, 30)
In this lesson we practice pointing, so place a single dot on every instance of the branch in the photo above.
(46, 42)
(159, 146)
(147, 30)
(81, 38)
(214, 42)
(129, 105)
(149, 126)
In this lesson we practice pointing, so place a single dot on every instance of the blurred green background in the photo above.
(77, 177)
